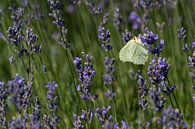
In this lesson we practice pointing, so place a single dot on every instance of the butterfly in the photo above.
(134, 51)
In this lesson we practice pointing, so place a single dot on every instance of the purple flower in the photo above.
(14, 35)
(50, 121)
(191, 65)
(56, 8)
(118, 19)
(112, 125)
(1, 35)
(158, 70)
(35, 116)
(3, 106)
(103, 115)
(126, 36)
(85, 117)
(52, 86)
(193, 126)
(172, 119)
(85, 73)
(150, 4)
(124, 125)
(142, 91)
(18, 124)
(11, 60)
(15, 30)
(186, 48)
(150, 40)
(110, 69)
(96, 9)
(157, 98)
(110, 94)
(181, 33)
(191, 61)
(78, 122)
(104, 34)
(167, 89)
(31, 37)
(20, 91)
(193, 44)
(136, 20)
(74, 1)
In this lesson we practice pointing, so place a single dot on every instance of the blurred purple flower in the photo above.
(142, 91)
(78, 122)
(172, 119)
(103, 115)
(96, 9)
(124, 125)
(56, 8)
(135, 20)
(157, 98)
(52, 98)
(3, 105)
(193, 44)
(110, 94)
(18, 124)
(110, 69)
(50, 121)
(118, 19)
(36, 115)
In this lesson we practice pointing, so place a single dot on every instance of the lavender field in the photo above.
(61, 65)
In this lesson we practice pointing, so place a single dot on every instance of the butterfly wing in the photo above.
(140, 56)
(128, 51)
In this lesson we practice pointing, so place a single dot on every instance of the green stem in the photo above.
(122, 88)
(174, 96)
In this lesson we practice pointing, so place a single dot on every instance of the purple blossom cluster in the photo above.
(135, 20)
(86, 73)
(104, 34)
(15, 31)
(18, 124)
(158, 70)
(109, 71)
(172, 118)
(118, 19)
(35, 117)
(157, 98)
(151, 4)
(21, 92)
(85, 117)
(16, 36)
(126, 36)
(51, 96)
(95, 9)
(142, 91)
(150, 39)
(56, 7)
(181, 33)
